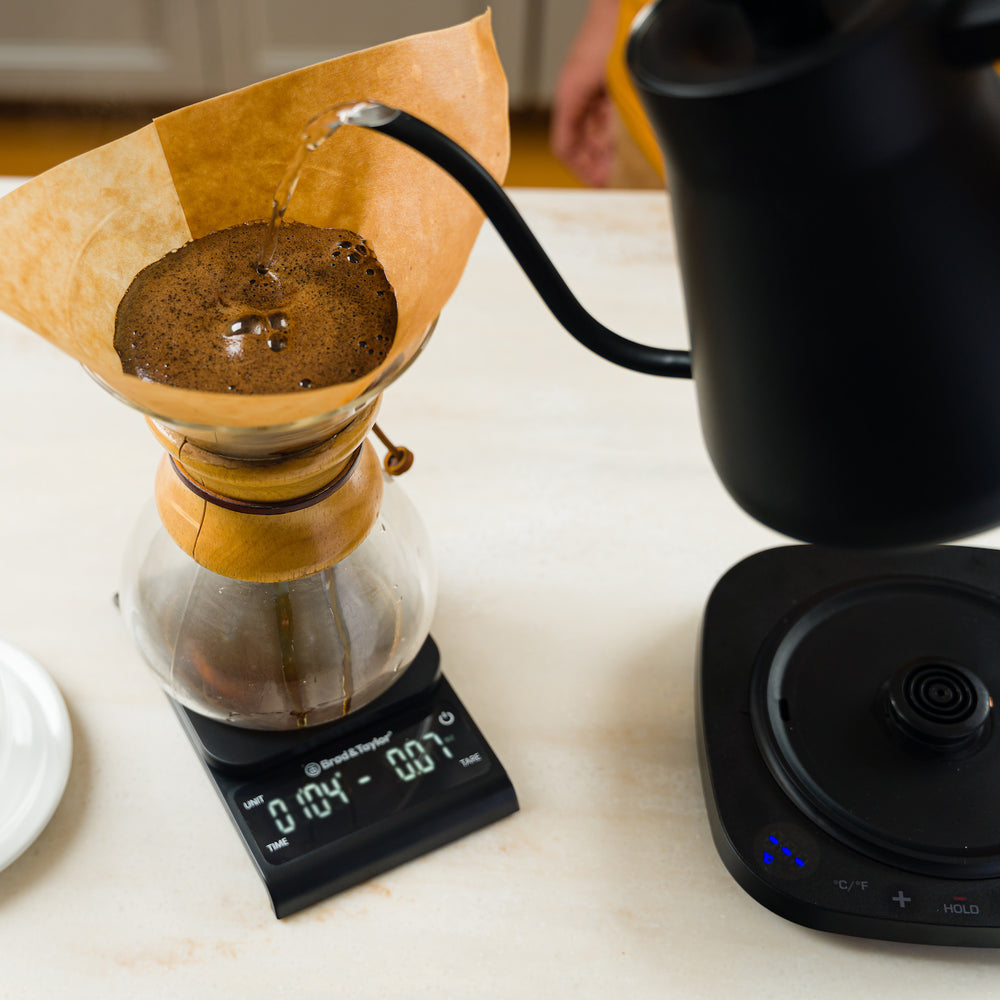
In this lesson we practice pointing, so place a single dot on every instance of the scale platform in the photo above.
(848, 739)
(320, 810)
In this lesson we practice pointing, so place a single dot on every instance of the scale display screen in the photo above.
(321, 799)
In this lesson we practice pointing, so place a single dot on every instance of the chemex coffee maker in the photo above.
(281, 587)
(834, 169)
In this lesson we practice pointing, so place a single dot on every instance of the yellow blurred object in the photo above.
(623, 93)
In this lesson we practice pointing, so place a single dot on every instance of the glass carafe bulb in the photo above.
(280, 655)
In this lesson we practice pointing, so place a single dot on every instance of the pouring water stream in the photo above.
(492, 199)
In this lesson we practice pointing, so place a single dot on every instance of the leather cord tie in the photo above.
(269, 507)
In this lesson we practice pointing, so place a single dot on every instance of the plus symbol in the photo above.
(901, 899)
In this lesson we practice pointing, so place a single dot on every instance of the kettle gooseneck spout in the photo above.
(513, 230)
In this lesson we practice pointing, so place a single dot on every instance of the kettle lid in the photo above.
(726, 45)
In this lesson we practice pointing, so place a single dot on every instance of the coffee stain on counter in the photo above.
(181, 952)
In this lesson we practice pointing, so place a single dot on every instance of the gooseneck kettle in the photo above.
(834, 169)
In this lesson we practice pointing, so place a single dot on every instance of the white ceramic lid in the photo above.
(36, 746)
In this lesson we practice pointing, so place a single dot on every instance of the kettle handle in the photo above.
(970, 32)
(520, 240)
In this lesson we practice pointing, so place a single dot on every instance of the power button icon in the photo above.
(446, 718)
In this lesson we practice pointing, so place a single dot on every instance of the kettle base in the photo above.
(847, 741)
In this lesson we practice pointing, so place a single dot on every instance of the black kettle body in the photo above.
(834, 168)
(836, 192)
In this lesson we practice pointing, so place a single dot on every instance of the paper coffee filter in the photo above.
(77, 235)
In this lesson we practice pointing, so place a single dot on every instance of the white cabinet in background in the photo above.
(176, 51)
(121, 50)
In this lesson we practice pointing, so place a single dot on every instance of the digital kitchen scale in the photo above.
(848, 743)
(320, 810)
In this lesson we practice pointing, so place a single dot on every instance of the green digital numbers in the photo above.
(414, 758)
(322, 797)
(434, 738)
(283, 819)
(317, 799)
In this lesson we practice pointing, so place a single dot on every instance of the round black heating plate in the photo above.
(848, 742)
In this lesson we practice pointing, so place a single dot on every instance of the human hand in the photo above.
(582, 130)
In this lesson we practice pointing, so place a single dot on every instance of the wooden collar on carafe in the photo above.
(276, 518)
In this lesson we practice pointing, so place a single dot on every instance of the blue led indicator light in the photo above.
(769, 857)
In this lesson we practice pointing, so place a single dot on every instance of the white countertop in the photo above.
(579, 529)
